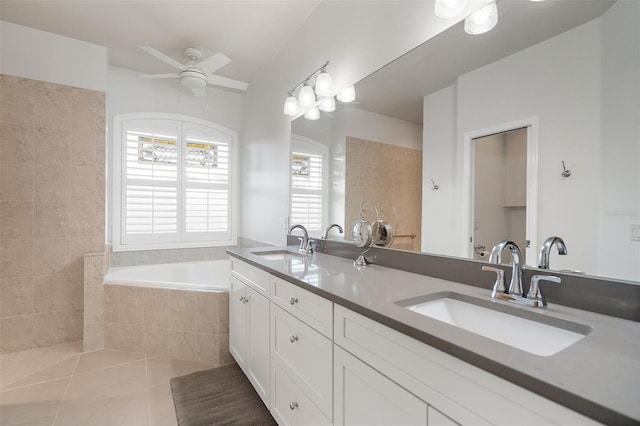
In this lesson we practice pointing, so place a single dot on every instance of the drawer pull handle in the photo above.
(293, 405)
(293, 300)
(293, 339)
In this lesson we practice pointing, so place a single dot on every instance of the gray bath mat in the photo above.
(221, 396)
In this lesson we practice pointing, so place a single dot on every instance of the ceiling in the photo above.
(251, 33)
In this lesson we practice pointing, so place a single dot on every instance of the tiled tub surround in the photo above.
(180, 324)
(52, 157)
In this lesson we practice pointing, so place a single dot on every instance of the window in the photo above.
(308, 184)
(173, 182)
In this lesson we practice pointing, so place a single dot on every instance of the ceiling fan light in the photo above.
(291, 106)
(328, 105)
(324, 84)
(306, 97)
(482, 21)
(446, 9)
(347, 95)
(312, 114)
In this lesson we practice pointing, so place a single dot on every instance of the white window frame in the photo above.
(118, 243)
(298, 140)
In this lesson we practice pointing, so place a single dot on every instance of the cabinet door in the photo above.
(363, 396)
(238, 322)
(258, 337)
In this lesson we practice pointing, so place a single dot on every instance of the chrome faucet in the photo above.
(545, 251)
(325, 234)
(305, 242)
(515, 287)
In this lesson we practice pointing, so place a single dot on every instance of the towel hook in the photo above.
(566, 173)
(434, 187)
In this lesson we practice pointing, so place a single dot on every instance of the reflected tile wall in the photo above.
(52, 142)
(377, 171)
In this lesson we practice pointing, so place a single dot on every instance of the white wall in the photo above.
(561, 82)
(39, 55)
(358, 38)
(129, 93)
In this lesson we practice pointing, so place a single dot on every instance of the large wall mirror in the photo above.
(565, 71)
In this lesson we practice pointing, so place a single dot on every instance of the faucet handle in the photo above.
(498, 285)
(534, 288)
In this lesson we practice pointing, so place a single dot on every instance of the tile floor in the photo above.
(63, 386)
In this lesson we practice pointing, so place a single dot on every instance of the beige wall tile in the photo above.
(16, 143)
(130, 338)
(111, 335)
(183, 345)
(223, 350)
(208, 350)
(73, 325)
(16, 333)
(49, 328)
(53, 146)
(156, 308)
(224, 313)
(131, 306)
(93, 337)
(78, 247)
(16, 258)
(112, 303)
(52, 108)
(82, 218)
(156, 341)
(51, 293)
(182, 308)
(96, 315)
(51, 219)
(76, 290)
(84, 183)
(208, 312)
(17, 105)
(16, 296)
(50, 255)
(51, 182)
(17, 181)
(16, 219)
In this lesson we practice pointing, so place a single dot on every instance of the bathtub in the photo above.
(207, 275)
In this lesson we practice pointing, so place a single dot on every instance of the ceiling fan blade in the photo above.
(164, 58)
(217, 80)
(159, 76)
(213, 63)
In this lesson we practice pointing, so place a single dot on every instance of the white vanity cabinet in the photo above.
(249, 324)
(301, 355)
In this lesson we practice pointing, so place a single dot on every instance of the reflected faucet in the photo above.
(325, 235)
(515, 287)
(545, 251)
(305, 242)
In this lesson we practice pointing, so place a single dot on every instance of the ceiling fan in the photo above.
(197, 73)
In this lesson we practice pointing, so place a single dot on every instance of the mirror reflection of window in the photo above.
(308, 180)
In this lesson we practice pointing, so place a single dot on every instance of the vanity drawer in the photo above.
(289, 405)
(305, 355)
(314, 310)
(252, 276)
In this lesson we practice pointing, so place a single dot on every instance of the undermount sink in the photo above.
(278, 255)
(529, 331)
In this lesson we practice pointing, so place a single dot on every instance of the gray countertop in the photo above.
(599, 376)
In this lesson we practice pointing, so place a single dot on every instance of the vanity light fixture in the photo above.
(291, 105)
(347, 95)
(307, 97)
(328, 105)
(446, 9)
(312, 114)
(482, 21)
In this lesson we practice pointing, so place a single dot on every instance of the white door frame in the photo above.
(531, 123)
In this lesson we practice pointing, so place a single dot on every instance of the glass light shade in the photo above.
(312, 114)
(306, 97)
(328, 105)
(483, 20)
(291, 106)
(324, 84)
(347, 95)
(446, 9)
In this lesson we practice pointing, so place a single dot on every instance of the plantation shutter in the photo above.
(307, 190)
(150, 184)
